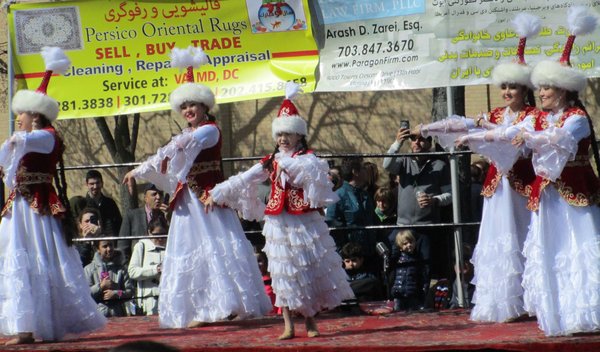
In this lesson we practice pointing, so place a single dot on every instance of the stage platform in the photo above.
(345, 331)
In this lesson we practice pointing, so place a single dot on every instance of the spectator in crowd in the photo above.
(354, 209)
(89, 226)
(109, 211)
(372, 176)
(364, 283)
(467, 272)
(108, 280)
(385, 209)
(145, 265)
(334, 177)
(410, 278)
(135, 222)
(423, 189)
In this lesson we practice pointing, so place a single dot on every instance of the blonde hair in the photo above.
(404, 236)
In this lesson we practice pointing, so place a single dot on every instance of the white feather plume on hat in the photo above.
(38, 101)
(558, 73)
(190, 58)
(526, 26)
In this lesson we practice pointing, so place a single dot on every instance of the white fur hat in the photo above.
(288, 120)
(38, 101)
(191, 92)
(556, 74)
(33, 101)
(190, 58)
(512, 72)
(561, 74)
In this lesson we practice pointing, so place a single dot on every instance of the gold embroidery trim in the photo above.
(489, 190)
(205, 166)
(33, 178)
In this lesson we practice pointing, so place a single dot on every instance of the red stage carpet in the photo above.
(439, 331)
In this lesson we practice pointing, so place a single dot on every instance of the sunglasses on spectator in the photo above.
(414, 137)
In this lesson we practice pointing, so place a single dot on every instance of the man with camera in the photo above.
(424, 187)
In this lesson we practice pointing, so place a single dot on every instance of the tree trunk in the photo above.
(121, 146)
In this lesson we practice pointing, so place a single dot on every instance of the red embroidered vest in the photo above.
(521, 176)
(205, 173)
(34, 180)
(577, 184)
(291, 198)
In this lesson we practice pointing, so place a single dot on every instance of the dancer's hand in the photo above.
(518, 140)
(209, 204)
(129, 180)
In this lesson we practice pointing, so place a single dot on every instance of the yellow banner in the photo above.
(120, 50)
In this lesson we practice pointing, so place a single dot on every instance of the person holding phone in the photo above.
(423, 188)
(88, 224)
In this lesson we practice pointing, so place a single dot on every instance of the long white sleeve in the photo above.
(554, 146)
(181, 152)
(19, 144)
(240, 192)
(310, 173)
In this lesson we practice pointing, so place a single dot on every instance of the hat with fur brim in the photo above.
(526, 26)
(288, 120)
(554, 74)
(190, 58)
(560, 74)
(38, 101)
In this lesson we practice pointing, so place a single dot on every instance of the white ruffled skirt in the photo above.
(210, 271)
(497, 258)
(562, 267)
(306, 271)
(42, 285)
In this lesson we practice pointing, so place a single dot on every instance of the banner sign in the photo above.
(407, 44)
(120, 50)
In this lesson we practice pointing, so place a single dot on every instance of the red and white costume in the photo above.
(306, 271)
(497, 258)
(562, 251)
(209, 272)
(42, 285)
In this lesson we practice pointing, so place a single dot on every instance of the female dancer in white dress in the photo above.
(498, 259)
(43, 292)
(209, 272)
(562, 251)
(306, 270)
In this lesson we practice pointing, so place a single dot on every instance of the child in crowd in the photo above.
(365, 285)
(263, 265)
(145, 266)
(108, 280)
(305, 268)
(409, 279)
(385, 206)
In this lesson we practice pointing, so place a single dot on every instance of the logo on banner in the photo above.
(276, 15)
(59, 26)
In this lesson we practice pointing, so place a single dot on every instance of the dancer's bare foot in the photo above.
(23, 338)
(311, 327)
(287, 334)
(196, 324)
